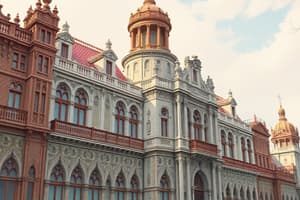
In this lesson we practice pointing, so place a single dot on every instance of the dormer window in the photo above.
(108, 67)
(195, 78)
(64, 50)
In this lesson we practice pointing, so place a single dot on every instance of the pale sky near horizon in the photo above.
(250, 47)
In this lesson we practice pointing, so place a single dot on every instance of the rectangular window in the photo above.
(64, 51)
(46, 65)
(40, 63)
(43, 103)
(42, 35)
(36, 102)
(108, 67)
(22, 63)
(48, 37)
(15, 61)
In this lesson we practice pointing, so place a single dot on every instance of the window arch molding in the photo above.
(200, 185)
(197, 124)
(134, 116)
(121, 115)
(224, 141)
(81, 103)
(62, 102)
(164, 121)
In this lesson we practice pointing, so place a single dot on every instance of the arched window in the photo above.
(164, 122)
(249, 150)
(8, 180)
(230, 144)
(80, 107)
(242, 197)
(134, 188)
(235, 194)
(76, 184)
(197, 125)
(228, 193)
(243, 146)
(205, 128)
(164, 191)
(248, 194)
(61, 103)
(120, 187)
(143, 36)
(223, 141)
(14, 96)
(94, 186)
(108, 189)
(254, 194)
(198, 188)
(31, 176)
(133, 122)
(120, 118)
(153, 35)
(56, 183)
(189, 123)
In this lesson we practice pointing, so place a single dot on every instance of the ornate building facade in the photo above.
(72, 126)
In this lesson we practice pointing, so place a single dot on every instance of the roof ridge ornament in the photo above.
(149, 2)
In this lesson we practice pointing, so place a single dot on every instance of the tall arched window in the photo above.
(242, 197)
(61, 103)
(197, 125)
(230, 144)
(189, 123)
(198, 188)
(243, 146)
(76, 184)
(134, 188)
(205, 128)
(228, 193)
(80, 107)
(248, 194)
(223, 141)
(14, 96)
(8, 180)
(56, 183)
(31, 176)
(94, 186)
(235, 194)
(133, 122)
(108, 189)
(153, 35)
(254, 194)
(249, 149)
(164, 122)
(120, 118)
(164, 191)
(120, 187)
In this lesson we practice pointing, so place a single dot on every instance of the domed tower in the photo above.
(149, 54)
(286, 150)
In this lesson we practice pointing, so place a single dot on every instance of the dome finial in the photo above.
(149, 2)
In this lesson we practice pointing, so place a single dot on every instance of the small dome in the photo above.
(281, 112)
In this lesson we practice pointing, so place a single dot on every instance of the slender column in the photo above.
(189, 188)
(238, 148)
(148, 36)
(210, 132)
(158, 37)
(202, 135)
(139, 38)
(214, 184)
(89, 114)
(184, 126)
(246, 153)
(181, 178)
(71, 112)
(220, 182)
(167, 39)
(46, 193)
(252, 153)
(179, 117)
(132, 40)
(102, 111)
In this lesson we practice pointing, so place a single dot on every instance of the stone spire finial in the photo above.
(17, 19)
(38, 4)
(108, 44)
(149, 2)
(55, 10)
(66, 27)
(230, 94)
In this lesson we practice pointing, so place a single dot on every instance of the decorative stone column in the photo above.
(181, 177)
(188, 171)
(139, 38)
(71, 112)
(102, 110)
(179, 116)
(158, 37)
(148, 36)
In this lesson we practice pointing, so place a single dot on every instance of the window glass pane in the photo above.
(121, 195)
(22, 64)
(2, 184)
(81, 115)
(121, 127)
(11, 190)
(29, 191)
(160, 196)
(13, 173)
(166, 195)
(10, 99)
(40, 63)
(51, 193)
(43, 103)
(90, 193)
(15, 60)
(65, 97)
(48, 38)
(75, 115)
(96, 194)
(116, 125)
(116, 196)
(58, 192)
(46, 64)
(36, 102)
(63, 113)
(71, 193)
(56, 111)
(78, 193)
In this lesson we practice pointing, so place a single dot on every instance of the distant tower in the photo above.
(286, 150)
(149, 55)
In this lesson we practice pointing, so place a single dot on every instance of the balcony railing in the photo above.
(240, 164)
(12, 114)
(13, 30)
(95, 134)
(197, 145)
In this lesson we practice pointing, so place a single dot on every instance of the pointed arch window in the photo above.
(61, 103)
(243, 146)
(223, 142)
(230, 145)
(197, 125)
(164, 191)
(14, 96)
(120, 187)
(249, 149)
(120, 118)
(133, 122)
(134, 188)
(30, 188)
(80, 107)
(56, 183)
(164, 122)
(94, 186)
(76, 184)
(198, 187)
(8, 180)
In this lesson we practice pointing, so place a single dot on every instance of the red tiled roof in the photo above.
(82, 51)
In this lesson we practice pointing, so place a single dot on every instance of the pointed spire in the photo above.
(38, 4)
(108, 44)
(281, 113)
(149, 2)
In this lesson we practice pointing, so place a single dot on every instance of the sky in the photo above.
(250, 47)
